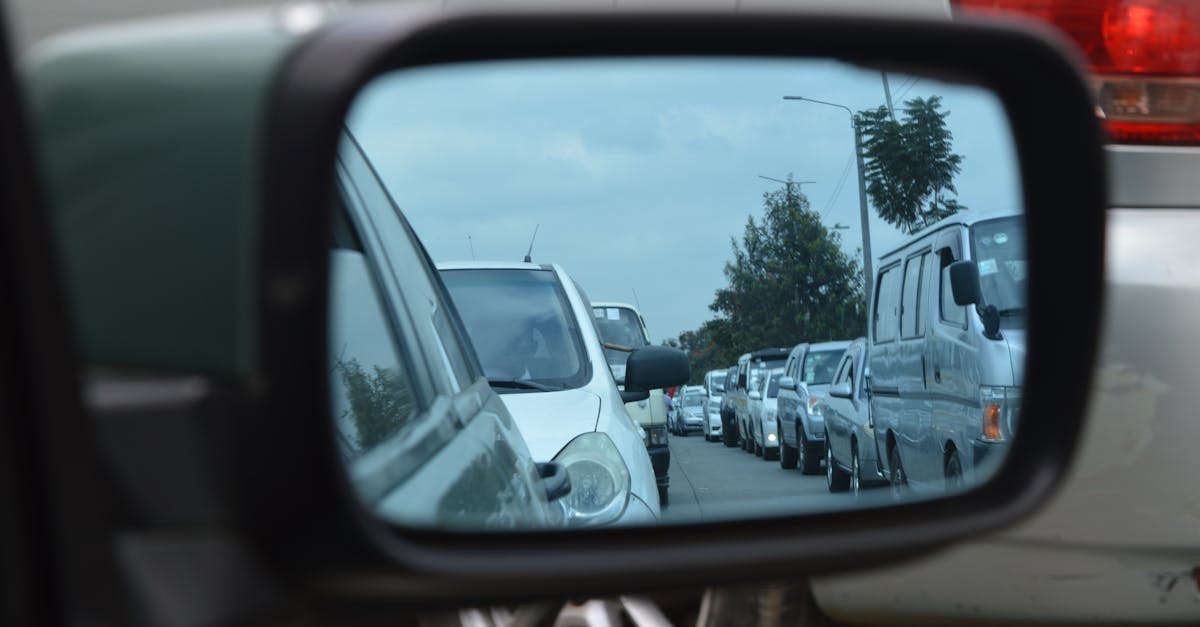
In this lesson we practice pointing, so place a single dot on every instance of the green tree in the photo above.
(789, 282)
(909, 164)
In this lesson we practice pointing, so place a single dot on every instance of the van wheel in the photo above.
(787, 454)
(808, 453)
(835, 477)
(896, 472)
(730, 437)
(954, 474)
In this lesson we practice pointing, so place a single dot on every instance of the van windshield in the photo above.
(998, 246)
(718, 385)
(621, 326)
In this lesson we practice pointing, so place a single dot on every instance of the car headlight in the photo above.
(599, 481)
(656, 435)
(999, 406)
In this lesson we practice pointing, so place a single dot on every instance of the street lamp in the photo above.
(862, 191)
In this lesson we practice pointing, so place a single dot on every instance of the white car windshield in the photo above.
(520, 324)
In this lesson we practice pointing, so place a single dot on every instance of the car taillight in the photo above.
(1144, 57)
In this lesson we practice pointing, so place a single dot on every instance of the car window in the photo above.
(951, 312)
(402, 259)
(910, 308)
(373, 395)
(886, 315)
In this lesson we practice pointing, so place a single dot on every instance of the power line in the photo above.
(837, 189)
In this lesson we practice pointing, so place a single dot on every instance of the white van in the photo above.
(622, 324)
(947, 354)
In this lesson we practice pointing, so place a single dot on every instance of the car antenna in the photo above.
(529, 255)
(472, 245)
(635, 299)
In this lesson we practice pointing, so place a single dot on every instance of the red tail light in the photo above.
(1144, 56)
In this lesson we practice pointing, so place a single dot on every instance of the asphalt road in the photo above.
(710, 481)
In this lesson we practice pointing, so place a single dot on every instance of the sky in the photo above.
(637, 173)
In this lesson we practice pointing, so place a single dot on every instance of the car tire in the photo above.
(809, 455)
(729, 437)
(787, 454)
(771, 454)
(837, 479)
(758, 450)
(855, 471)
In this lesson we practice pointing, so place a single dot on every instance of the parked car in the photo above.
(689, 410)
(751, 367)
(729, 430)
(621, 324)
(763, 420)
(851, 461)
(714, 392)
(808, 373)
(948, 349)
(531, 328)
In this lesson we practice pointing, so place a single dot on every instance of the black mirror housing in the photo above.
(656, 367)
(964, 282)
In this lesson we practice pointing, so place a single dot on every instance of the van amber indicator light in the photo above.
(1143, 56)
(991, 423)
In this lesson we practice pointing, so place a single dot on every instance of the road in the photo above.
(710, 481)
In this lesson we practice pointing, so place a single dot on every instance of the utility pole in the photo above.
(887, 92)
(864, 215)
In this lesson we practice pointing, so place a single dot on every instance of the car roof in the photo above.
(962, 218)
(824, 346)
(769, 352)
(494, 265)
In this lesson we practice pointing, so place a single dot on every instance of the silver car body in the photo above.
(690, 417)
(849, 431)
(714, 387)
(762, 414)
(550, 420)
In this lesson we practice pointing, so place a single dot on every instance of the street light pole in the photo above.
(864, 215)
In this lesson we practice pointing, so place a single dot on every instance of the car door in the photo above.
(838, 412)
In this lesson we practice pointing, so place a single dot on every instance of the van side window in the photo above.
(910, 309)
(951, 313)
(886, 316)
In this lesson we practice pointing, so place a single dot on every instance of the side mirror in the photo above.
(787, 383)
(755, 396)
(964, 282)
(654, 367)
(840, 390)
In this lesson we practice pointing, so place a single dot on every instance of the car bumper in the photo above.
(714, 425)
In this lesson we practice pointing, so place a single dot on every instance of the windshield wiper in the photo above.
(1013, 311)
(522, 384)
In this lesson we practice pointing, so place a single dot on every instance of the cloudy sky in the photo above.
(640, 171)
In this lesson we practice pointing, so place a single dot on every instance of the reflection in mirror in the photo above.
(772, 219)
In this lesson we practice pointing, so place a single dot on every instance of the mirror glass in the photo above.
(515, 241)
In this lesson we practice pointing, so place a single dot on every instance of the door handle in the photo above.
(937, 373)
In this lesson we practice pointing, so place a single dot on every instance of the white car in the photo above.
(763, 408)
(689, 410)
(530, 325)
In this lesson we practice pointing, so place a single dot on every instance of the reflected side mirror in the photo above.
(653, 367)
(787, 383)
(840, 390)
(964, 283)
(755, 396)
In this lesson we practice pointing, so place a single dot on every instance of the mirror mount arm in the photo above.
(632, 396)
(555, 480)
